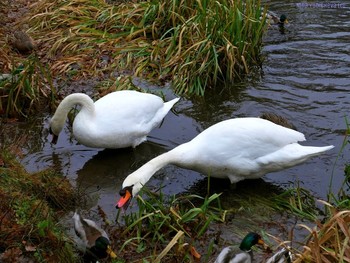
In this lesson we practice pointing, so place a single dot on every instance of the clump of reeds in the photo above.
(194, 44)
(22, 90)
(328, 241)
(166, 229)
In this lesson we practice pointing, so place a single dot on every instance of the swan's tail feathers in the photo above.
(317, 150)
(168, 105)
(290, 155)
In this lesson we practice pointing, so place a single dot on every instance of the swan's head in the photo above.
(55, 129)
(127, 193)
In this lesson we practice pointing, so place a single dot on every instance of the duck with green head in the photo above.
(244, 254)
(274, 19)
(95, 240)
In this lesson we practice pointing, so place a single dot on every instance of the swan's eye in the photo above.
(122, 192)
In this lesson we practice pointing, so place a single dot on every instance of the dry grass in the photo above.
(194, 44)
(329, 241)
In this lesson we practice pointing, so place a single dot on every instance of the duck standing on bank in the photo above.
(237, 149)
(118, 120)
(242, 255)
(95, 240)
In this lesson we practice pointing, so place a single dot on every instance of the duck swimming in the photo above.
(274, 19)
(118, 120)
(237, 149)
(95, 239)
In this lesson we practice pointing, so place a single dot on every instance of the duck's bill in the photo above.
(111, 252)
(263, 244)
(124, 201)
(286, 21)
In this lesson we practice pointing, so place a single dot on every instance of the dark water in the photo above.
(305, 77)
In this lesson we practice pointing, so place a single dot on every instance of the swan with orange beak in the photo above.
(237, 149)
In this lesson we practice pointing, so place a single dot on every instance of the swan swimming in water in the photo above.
(118, 120)
(237, 149)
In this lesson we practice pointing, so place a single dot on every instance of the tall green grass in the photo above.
(194, 44)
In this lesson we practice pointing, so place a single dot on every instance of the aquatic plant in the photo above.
(341, 199)
(194, 44)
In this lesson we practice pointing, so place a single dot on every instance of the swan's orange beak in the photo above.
(124, 200)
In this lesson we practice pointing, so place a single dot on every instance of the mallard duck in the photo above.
(95, 239)
(274, 19)
(237, 149)
(242, 255)
(281, 256)
(118, 120)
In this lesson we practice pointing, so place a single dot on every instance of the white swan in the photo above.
(119, 119)
(238, 149)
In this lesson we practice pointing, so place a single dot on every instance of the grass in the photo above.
(167, 229)
(23, 90)
(32, 205)
(194, 44)
(329, 241)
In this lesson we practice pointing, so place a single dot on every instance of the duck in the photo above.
(242, 255)
(237, 149)
(120, 119)
(281, 256)
(274, 19)
(22, 42)
(95, 240)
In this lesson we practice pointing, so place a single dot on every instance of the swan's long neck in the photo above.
(142, 175)
(60, 116)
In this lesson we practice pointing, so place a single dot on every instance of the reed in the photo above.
(194, 44)
(329, 241)
(23, 89)
(159, 222)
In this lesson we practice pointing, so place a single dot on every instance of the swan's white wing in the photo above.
(122, 119)
(243, 148)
